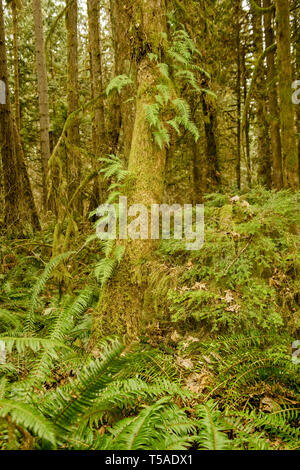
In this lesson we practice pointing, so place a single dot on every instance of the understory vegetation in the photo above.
(212, 368)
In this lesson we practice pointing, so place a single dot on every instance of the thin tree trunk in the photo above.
(263, 144)
(73, 157)
(16, 65)
(12, 187)
(213, 180)
(238, 95)
(247, 121)
(43, 94)
(99, 135)
(277, 177)
(287, 117)
(123, 21)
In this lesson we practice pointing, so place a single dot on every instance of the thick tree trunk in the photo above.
(12, 186)
(146, 169)
(277, 177)
(43, 94)
(287, 118)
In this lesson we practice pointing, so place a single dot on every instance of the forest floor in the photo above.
(217, 345)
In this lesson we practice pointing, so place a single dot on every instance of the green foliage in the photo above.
(181, 55)
(41, 282)
(246, 274)
(211, 435)
(118, 83)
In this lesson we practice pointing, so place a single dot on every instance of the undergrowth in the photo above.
(213, 371)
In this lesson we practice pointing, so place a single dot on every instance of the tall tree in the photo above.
(285, 78)
(43, 94)
(238, 91)
(14, 10)
(123, 22)
(12, 187)
(99, 135)
(263, 144)
(146, 168)
(73, 156)
(277, 177)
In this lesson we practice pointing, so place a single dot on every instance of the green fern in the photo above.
(28, 417)
(118, 83)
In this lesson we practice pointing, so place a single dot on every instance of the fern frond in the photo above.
(118, 83)
(29, 418)
(211, 435)
(40, 284)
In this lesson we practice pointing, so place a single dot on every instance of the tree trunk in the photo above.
(43, 94)
(16, 65)
(263, 144)
(99, 136)
(247, 120)
(277, 177)
(122, 22)
(213, 180)
(238, 95)
(287, 118)
(12, 187)
(145, 186)
(27, 196)
(73, 156)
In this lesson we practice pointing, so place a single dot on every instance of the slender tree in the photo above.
(122, 22)
(14, 10)
(287, 117)
(277, 177)
(99, 134)
(238, 92)
(43, 94)
(263, 143)
(12, 186)
(73, 155)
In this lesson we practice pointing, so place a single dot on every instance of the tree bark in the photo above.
(43, 94)
(123, 25)
(16, 65)
(12, 187)
(145, 185)
(263, 147)
(99, 134)
(73, 156)
(287, 117)
(238, 94)
(277, 177)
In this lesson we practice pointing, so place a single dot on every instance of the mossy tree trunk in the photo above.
(43, 94)
(73, 156)
(98, 131)
(121, 306)
(16, 64)
(263, 143)
(277, 177)
(238, 92)
(11, 177)
(287, 118)
(123, 26)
